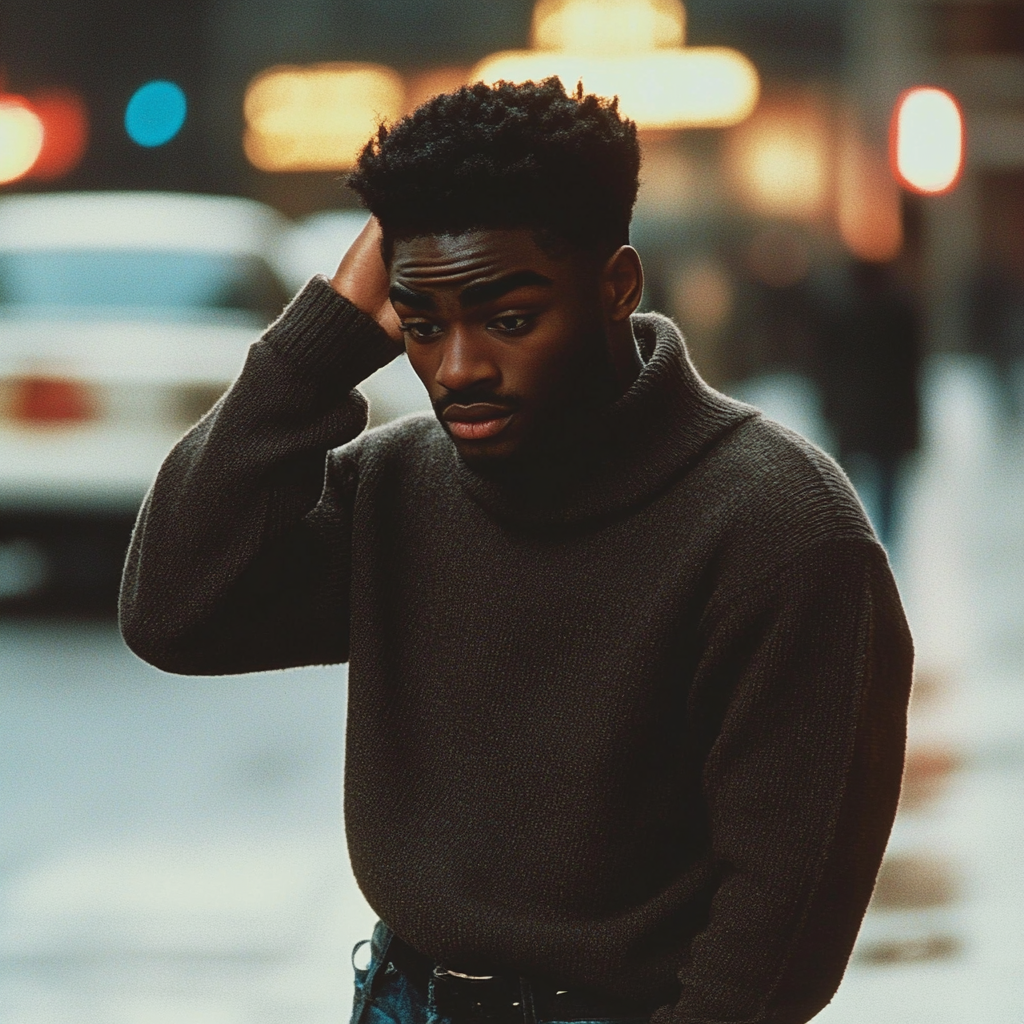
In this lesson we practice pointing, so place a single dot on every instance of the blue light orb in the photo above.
(155, 113)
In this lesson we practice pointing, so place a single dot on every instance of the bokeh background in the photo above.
(832, 207)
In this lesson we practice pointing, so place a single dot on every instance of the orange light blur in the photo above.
(868, 207)
(65, 133)
(48, 401)
(927, 140)
(633, 49)
(779, 160)
(667, 88)
(607, 27)
(703, 295)
(427, 84)
(21, 137)
(319, 116)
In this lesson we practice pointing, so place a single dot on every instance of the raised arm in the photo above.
(239, 559)
(804, 686)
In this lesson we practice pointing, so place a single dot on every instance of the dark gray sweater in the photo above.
(640, 731)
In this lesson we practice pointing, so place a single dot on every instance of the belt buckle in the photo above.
(441, 972)
(477, 998)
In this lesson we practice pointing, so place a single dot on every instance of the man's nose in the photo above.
(467, 361)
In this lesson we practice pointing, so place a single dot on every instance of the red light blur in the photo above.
(49, 400)
(65, 133)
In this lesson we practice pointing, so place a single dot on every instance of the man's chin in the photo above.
(484, 456)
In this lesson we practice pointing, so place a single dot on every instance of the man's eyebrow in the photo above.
(407, 297)
(478, 294)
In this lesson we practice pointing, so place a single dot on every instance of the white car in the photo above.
(123, 316)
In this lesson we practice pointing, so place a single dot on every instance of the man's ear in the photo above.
(622, 283)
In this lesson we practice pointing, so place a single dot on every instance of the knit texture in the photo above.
(640, 729)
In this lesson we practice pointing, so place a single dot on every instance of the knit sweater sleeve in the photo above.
(240, 556)
(802, 689)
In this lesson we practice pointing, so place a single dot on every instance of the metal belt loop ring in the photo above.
(440, 972)
(355, 949)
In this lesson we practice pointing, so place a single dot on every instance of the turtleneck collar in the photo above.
(638, 444)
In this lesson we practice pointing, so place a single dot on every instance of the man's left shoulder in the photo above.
(779, 493)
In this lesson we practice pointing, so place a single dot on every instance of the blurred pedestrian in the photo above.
(628, 671)
(869, 364)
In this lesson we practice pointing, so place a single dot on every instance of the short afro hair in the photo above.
(505, 156)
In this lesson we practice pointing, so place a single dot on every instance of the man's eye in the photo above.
(512, 324)
(420, 329)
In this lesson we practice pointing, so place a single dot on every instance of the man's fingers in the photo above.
(363, 279)
(388, 319)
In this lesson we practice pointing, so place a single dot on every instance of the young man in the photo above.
(628, 670)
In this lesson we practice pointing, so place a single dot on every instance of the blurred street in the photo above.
(171, 848)
(944, 939)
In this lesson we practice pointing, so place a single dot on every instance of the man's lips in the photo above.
(477, 421)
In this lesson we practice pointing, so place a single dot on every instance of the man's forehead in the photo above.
(455, 259)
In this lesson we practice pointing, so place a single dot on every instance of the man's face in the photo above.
(508, 340)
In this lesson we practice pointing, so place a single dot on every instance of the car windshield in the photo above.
(168, 284)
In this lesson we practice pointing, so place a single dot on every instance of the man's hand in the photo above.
(363, 279)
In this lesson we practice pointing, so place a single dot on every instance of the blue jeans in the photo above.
(385, 995)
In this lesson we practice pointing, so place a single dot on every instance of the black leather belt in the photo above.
(506, 999)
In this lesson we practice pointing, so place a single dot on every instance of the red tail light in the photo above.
(46, 400)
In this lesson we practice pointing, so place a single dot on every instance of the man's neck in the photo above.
(624, 356)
